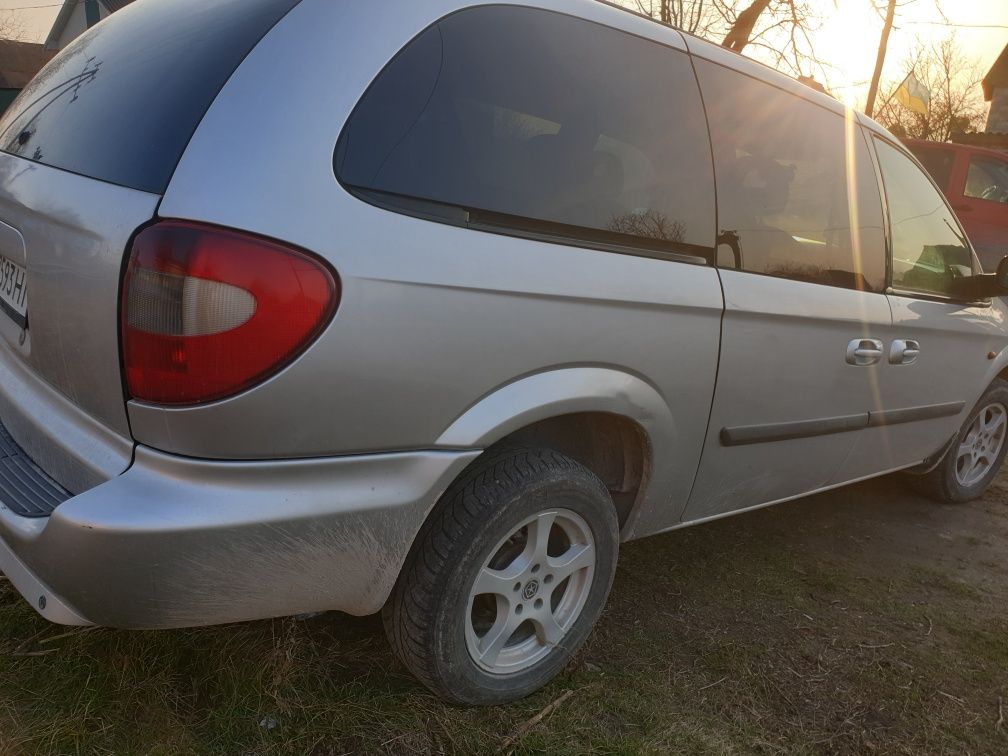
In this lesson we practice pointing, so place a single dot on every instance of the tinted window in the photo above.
(937, 162)
(518, 114)
(987, 179)
(929, 249)
(121, 102)
(782, 174)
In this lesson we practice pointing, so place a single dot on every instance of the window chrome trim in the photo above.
(935, 297)
(533, 229)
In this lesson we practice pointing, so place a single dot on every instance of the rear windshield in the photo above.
(121, 102)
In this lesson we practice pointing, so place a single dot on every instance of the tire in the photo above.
(489, 524)
(959, 479)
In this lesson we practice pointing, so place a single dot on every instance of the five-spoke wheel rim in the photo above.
(980, 447)
(530, 591)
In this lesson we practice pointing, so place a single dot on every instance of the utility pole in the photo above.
(880, 58)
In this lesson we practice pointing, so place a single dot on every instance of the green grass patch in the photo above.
(797, 630)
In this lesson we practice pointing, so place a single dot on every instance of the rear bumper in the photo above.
(175, 542)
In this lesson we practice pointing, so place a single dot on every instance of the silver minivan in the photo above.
(424, 308)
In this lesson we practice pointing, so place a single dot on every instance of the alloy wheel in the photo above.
(530, 591)
(980, 447)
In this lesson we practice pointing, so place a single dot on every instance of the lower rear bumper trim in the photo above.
(176, 542)
(46, 603)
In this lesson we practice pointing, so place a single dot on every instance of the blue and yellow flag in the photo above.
(913, 95)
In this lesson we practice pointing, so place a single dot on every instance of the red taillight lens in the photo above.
(208, 312)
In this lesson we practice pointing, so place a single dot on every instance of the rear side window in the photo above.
(937, 162)
(797, 192)
(122, 101)
(929, 249)
(523, 120)
(987, 179)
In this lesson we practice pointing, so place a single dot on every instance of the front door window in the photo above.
(929, 249)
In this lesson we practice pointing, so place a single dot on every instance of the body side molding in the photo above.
(757, 434)
(913, 414)
(741, 435)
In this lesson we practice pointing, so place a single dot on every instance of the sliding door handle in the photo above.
(904, 352)
(864, 352)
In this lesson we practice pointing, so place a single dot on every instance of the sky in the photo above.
(848, 37)
(850, 33)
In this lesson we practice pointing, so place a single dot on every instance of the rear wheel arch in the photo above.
(614, 447)
(613, 422)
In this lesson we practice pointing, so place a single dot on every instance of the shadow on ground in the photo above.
(866, 619)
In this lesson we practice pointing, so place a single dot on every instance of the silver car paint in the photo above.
(434, 320)
(445, 341)
(73, 447)
(61, 394)
(177, 542)
(957, 343)
(782, 359)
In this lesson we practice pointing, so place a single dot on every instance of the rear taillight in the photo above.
(208, 312)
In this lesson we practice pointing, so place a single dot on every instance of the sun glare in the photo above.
(847, 39)
(847, 44)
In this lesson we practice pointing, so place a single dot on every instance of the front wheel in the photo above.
(974, 458)
(506, 579)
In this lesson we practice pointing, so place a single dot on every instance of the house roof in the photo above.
(997, 76)
(63, 18)
(998, 142)
(20, 61)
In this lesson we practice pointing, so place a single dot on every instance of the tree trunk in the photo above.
(880, 58)
(738, 36)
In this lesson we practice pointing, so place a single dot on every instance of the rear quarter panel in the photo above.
(434, 320)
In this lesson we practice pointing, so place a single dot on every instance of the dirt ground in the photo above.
(865, 620)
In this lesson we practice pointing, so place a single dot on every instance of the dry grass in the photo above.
(858, 621)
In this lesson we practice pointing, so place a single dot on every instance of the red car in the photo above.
(975, 181)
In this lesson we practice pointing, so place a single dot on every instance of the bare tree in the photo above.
(741, 30)
(694, 16)
(953, 78)
(780, 29)
(777, 29)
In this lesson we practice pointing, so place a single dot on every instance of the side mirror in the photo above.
(984, 286)
(1001, 275)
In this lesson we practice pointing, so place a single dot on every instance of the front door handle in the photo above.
(904, 352)
(863, 352)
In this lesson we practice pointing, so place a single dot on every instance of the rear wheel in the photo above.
(507, 578)
(974, 458)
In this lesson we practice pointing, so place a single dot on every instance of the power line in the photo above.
(35, 7)
(961, 26)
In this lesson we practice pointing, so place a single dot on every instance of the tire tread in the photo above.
(459, 513)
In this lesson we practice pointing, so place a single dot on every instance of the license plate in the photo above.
(14, 291)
